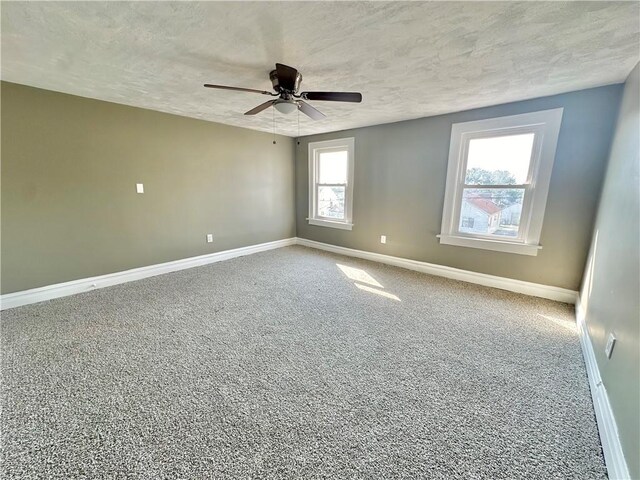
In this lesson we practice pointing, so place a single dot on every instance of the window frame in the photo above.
(315, 149)
(546, 126)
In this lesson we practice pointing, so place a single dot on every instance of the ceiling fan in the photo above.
(286, 83)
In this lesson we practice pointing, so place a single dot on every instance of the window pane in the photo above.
(331, 202)
(499, 160)
(333, 167)
(491, 211)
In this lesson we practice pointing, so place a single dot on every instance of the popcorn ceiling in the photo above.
(409, 60)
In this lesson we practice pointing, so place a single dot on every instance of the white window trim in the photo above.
(546, 125)
(314, 149)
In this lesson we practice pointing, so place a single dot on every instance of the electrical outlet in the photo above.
(611, 341)
(383, 239)
(209, 238)
(139, 188)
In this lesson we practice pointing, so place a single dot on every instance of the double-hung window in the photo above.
(331, 183)
(497, 181)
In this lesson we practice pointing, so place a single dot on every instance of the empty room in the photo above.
(278, 240)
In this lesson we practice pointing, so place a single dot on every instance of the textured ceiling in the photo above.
(409, 60)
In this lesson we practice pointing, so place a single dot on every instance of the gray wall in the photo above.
(400, 174)
(611, 290)
(69, 169)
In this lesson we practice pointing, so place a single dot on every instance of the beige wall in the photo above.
(400, 174)
(69, 169)
(610, 295)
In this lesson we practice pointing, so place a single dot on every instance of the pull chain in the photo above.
(298, 125)
(273, 110)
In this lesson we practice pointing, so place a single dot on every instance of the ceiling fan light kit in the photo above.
(286, 84)
(286, 106)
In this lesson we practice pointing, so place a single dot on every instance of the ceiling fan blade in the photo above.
(260, 107)
(310, 111)
(354, 97)
(286, 76)
(239, 89)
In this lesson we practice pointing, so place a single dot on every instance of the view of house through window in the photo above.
(332, 184)
(496, 178)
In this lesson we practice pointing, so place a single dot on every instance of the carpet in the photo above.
(296, 363)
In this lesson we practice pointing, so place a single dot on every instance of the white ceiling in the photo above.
(409, 60)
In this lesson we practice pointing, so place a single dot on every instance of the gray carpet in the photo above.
(278, 365)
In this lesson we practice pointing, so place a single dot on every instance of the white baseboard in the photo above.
(518, 286)
(607, 427)
(25, 297)
(34, 295)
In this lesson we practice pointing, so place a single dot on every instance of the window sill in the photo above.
(495, 245)
(329, 223)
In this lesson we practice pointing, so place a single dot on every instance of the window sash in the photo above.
(505, 132)
(320, 151)
(520, 238)
(317, 203)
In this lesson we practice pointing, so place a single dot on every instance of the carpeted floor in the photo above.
(295, 363)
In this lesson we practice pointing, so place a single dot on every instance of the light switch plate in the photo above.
(611, 341)
(139, 188)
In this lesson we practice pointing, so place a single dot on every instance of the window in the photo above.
(498, 180)
(331, 183)
(467, 222)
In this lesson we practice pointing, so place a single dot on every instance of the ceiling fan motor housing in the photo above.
(273, 76)
(286, 83)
